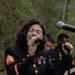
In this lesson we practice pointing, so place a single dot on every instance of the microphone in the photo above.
(61, 25)
(66, 48)
(40, 41)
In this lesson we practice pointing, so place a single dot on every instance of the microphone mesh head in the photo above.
(59, 24)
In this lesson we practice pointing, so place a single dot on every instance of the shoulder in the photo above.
(15, 51)
(12, 49)
(52, 51)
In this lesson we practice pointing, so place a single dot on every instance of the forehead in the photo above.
(65, 40)
(49, 43)
(36, 26)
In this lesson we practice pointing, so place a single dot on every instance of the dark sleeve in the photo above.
(71, 61)
(65, 64)
(13, 65)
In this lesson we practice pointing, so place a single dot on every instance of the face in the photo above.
(61, 41)
(48, 46)
(35, 31)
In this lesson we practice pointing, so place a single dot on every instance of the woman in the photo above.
(27, 56)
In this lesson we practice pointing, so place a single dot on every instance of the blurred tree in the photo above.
(13, 13)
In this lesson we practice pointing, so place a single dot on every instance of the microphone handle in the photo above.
(66, 48)
(40, 41)
(69, 27)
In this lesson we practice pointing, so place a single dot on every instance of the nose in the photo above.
(48, 48)
(34, 33)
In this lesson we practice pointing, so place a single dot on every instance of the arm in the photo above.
(14, 66)
(58, 70)
(62, 66)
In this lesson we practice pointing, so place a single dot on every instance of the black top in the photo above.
(57, 56)
(24, 64)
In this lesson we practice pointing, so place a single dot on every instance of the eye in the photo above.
(38, 32)
(31, 30)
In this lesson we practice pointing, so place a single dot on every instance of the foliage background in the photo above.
(13, 13)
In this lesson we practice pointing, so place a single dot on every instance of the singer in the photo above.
(61, 25)
(28, 57)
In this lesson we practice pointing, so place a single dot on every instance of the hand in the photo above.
(67, 48)
(32, 45)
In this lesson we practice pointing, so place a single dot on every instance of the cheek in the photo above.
(41, 35)
(28, 34)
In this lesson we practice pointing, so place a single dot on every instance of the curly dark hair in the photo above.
(49, 37)
(62, 35)
(22, 35)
